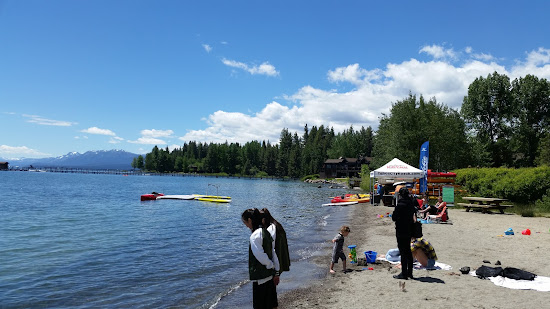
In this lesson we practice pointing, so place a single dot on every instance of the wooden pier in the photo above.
(135, 173)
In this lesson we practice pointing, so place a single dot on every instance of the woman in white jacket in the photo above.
(263, 264)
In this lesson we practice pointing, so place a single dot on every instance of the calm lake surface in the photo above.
(87, 241)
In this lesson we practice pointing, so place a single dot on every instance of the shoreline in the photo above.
(472, 238)
(304, 269)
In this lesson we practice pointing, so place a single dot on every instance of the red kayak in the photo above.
(151, 196)
(441, 174)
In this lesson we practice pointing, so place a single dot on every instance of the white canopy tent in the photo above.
(394, 171)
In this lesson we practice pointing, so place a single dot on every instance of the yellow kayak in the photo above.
(359, 198)
(214, 200)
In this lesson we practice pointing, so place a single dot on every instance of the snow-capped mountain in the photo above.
(102, 159)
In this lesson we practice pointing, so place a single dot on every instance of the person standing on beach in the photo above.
(279, 236)
(263, 264)
(404, 216)
(380, 189)
(338, 248)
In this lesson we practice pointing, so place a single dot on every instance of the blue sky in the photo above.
(101, 75)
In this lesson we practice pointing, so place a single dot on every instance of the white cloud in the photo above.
(483, 57)
(157, 133)
(539, 57)
(48, 122)
(8, 152)
(173, 146)
(537, 63)
(234, 64)
(115, 140)
(148, 141)
(207, 47)
(98, 131)
(353, 74)
(446, 78)
(239, 127)
(263, 69)
(438, 52)
(479, 56)
(152, 137)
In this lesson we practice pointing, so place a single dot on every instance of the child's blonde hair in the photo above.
(345, 228)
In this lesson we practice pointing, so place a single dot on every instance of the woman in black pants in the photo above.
(404, 215)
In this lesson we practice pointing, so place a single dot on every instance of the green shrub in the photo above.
(525, 210)
(543, 205)
(524, 185)
(313, 176)
(365, 178)
(261, 174)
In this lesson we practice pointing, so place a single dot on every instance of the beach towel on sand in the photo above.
(540, 283)
(437, 265)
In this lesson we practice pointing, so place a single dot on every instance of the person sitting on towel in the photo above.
(433, 210)
(423, 203)
(428, 210)
(423, 252)
(440, 205)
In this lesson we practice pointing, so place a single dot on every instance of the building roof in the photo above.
(332, 161)
(349, 160)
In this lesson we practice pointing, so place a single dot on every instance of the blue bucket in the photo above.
(371, 256)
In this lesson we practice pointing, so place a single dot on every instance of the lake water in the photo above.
(87, 241)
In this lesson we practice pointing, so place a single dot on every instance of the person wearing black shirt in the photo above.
(404, 215)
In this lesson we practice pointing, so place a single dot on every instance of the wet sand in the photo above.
(471, 238)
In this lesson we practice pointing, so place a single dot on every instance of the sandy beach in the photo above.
(471, 238)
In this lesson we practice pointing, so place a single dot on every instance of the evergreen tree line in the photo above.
(294, 156)
(501, 123)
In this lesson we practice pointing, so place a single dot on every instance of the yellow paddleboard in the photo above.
(214, 200)
(197, 196)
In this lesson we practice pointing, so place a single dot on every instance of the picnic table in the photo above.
(484, 203)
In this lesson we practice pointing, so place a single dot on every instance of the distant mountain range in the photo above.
(102, 159)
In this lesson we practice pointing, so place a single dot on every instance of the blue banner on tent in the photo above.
(423, 165)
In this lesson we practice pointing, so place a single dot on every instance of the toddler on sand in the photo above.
(338, 248)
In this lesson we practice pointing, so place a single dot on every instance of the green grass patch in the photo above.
(312, 177)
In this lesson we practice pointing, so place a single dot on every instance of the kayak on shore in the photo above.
(359, 198)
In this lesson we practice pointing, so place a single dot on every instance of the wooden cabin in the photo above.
(343, 167)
